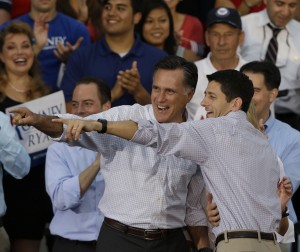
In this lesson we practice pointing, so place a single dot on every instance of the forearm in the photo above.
(123, 129)
(199, 235)
(87, 177)
(44, 124)
(244, 9)
(283, 226)
(142, 96)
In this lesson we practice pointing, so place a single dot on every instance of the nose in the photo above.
(111, 11)
(156, 24)
(221, 40)
(19, 50)
(80, 110)
(286, 11)
(203, 103)
(161, 97)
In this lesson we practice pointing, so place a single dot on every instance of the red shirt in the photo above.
(19, 7)
(255, 8)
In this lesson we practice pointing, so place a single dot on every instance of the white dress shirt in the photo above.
(144, 189)
(257, 37)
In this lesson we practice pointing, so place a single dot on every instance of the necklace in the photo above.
(16, 89)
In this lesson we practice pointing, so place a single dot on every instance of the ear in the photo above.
(137, 17)
(1, 57)
(241, 38)
(273, 94)
(106, 106)
(206, 38)
(236, 104)
(191, 94)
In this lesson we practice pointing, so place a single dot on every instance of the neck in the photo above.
(120, 44)
(265, 116)
(19, 82)
(225, 64)
(46, 16)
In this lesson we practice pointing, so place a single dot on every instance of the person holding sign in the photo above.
(29, 207)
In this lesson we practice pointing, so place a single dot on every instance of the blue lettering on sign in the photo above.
(37, 138)
(56, 109)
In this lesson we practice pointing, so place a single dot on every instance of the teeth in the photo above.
(156, 34)
(161, 107)
(20, 60)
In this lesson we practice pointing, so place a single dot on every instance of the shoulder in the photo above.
(294, 26)
(4, 119)
(64, 20)
(284, 129)
(151, 50)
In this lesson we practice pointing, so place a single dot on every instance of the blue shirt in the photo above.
(13, 156)
(286, 142)
(74, 218)
(100, 61)
(61, 29)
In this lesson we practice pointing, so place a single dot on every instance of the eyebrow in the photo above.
(84, 100)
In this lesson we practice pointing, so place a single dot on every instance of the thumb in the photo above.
(134, 65)
(78, 43)
(209, 197)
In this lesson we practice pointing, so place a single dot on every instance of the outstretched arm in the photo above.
(23, 116)
(123, 129)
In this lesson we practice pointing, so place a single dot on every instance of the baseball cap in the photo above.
(224, 15)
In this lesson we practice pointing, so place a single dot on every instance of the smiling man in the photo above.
(230, 152)
(223, 36)
(148, 199)
(258, 28)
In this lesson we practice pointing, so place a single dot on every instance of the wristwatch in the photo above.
(285, 212)
(104, 126)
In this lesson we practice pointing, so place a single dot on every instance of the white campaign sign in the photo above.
(32, 139)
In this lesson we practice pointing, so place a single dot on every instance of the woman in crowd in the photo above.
(28, 205)
(188, 29)
(156, 28)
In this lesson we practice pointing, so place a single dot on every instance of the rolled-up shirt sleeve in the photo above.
(13, 156)
(62, 186)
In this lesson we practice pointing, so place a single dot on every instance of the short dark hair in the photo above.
(270, 72)
(136, 5)
(190, 71)
(234, 84)
(104, 92)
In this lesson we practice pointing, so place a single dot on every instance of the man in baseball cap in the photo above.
(223, 36)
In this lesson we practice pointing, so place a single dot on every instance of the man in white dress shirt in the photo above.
(148, 198)
(223, 36)
(258, 33)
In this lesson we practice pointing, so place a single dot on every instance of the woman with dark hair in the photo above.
(28, 205)
(85, 11)
(156, 27)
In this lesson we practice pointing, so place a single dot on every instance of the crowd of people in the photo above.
(181, 131)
